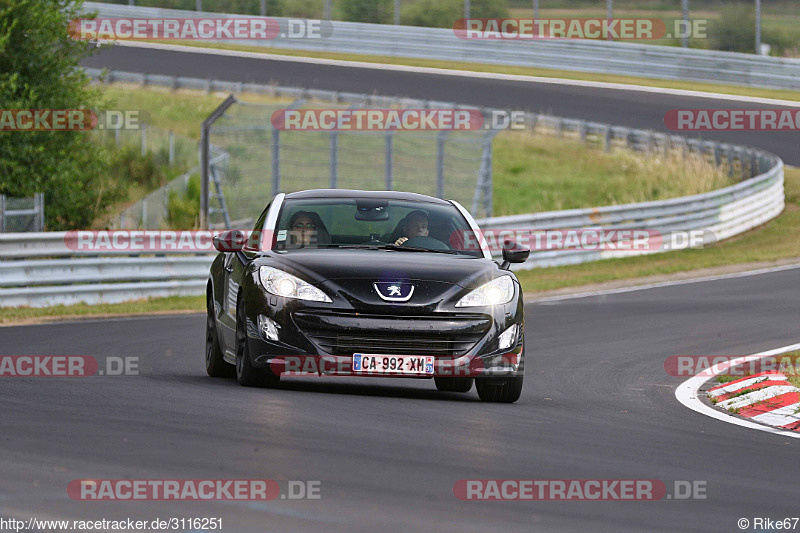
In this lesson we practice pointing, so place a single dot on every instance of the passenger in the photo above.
(415, 224)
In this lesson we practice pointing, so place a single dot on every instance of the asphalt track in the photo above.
(597, 405)
(623, 107)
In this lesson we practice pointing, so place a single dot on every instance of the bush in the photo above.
(735, 30)
(129, 168)
(486, 9)
(374, 11)
(432, 13)
(183, 210)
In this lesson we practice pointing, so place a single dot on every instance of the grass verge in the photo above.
(170, 304)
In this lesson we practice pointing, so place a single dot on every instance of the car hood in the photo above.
(320, 265)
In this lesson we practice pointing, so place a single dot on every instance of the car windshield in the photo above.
(373, 223)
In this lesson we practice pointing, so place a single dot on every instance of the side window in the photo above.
(254, 240)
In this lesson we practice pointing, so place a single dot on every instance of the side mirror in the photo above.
(514, 254)
(231, 240)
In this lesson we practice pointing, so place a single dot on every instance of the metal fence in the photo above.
(21, 214)
(263, 160)
(627, 59)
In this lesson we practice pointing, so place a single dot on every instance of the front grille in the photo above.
(349, 333)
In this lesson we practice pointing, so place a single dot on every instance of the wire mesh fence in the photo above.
(21, 214)
(264, 160)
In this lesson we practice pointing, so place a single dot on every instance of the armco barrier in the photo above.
(40, 270)
(626, 59)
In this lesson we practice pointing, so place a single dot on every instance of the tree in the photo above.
(38, 70)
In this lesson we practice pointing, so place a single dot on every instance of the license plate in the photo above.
(364, 363)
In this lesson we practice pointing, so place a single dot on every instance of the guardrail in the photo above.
(627, 59)
(40, 270)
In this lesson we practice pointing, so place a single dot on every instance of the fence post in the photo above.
(389, 160)
(2, 213)
(441, 137)
(263, 9)
(39, 202)
(205, 159)
(198, 5)
(144, 212)
(276, 162)
(334, 160)
(144, 139)
(171, 147)
(608, 138)
(489, 178)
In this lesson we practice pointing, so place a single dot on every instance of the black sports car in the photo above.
(344, 282)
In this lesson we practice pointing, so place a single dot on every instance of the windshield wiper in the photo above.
(414, 249)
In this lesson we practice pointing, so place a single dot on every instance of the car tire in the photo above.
(461, 384)
(216, 367)
(246, 374)
(507, 390)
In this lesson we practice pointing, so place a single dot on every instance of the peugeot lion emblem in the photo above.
(394, 291)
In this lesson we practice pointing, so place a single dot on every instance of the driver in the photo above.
(302, 230)
(414, 225)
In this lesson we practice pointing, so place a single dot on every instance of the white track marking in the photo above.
(634, 288)
(686, 393)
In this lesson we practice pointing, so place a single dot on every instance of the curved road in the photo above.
(623, 107)
(597, 405)
(597, 402)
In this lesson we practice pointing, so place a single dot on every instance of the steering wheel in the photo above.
(426, 242)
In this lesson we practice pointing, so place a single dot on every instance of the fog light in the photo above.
(507, 338)
(268, 328)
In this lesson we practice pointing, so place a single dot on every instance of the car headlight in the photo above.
(496, 292)
(282, 283)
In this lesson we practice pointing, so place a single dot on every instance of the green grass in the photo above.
(520, 71)
(777, 239)
(153, 305)
(182, 111)
(534, 173)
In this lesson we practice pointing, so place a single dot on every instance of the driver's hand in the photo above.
(400, 241)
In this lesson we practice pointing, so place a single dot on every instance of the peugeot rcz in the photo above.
(365, 283)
